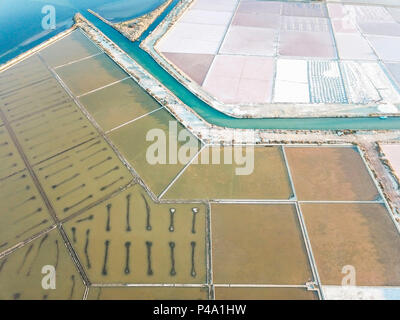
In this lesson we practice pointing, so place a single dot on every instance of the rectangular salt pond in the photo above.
(258, 244)
(132, 143)
(257, 293)
(194, 65)
(330, 173)
(240, 79)
(148, 293)
(359, 235)
(268, 180)
(91, 74)
(118, 104)
(74, 46)
(130, 239)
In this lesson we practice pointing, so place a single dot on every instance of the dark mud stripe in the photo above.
(28, 215)
(23, 202)
(171, 219)
(2, 264)
(107, 172)
(148, 212)
(149, 269)
(54, 186)
(43, 105)
(25, 257)
(58, 171)
(106, 244)
(78, 203)
(30, 119)
(108, 223)
(33, 137)
(53, 163)
(76, 129)
(72, 121)
(71, 191)
(111, 184)
(93, 154)
(37, 253)
(194, 211)
(87, 248)
(73, 287)
(128, 205)
(33, 128)
(172, 247)
(84, 137)
(85, 219)
(69, 105)
(32, 228)
(88, 147)
(193, 270)
(57, 254)
(73, 230)
(127, 257)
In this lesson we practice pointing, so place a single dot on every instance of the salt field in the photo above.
(110, 179)
(374, 249)
(330, 174)
(205, 180)
(245, 53)
(250, 262)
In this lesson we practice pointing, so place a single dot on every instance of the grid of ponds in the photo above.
(89, 205)
(244, 52)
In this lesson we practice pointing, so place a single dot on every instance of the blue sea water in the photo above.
(21, 20)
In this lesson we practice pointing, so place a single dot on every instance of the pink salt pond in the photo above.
(308, 44)
(239, 79)
(194, 65)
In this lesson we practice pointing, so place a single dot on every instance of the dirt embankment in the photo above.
(133, 29)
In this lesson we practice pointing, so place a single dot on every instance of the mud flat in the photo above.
(236, 261)
(330, 173)
(362, 236)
